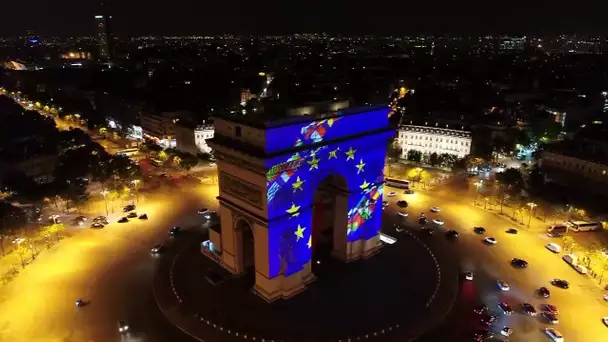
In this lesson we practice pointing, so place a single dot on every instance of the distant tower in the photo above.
(103, 23)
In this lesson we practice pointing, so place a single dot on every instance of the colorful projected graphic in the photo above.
(351, 146)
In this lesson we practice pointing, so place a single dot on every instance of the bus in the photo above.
(128, 152)
(582, 226)
(398, 183)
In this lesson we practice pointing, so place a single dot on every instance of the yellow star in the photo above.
(351, 154)
(365, 185)
(309, 244)
(360, 166)
(299, 232)
(313, 153)
(330, 122)
(293, 211)
(297, 185)
(314, 163)
(332, 154)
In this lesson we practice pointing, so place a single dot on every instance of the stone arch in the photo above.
(245, 233)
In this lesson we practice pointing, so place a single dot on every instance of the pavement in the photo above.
(332, 307)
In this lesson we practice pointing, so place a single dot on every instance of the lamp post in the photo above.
(135, 185)
(104, 194)
(532, 206)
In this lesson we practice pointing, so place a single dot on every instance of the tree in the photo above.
(22, 251)
(11, 219)
(567, 242)
(434, 159)
(163, 156)
(188, 162)
(55, 229)
(414, 156)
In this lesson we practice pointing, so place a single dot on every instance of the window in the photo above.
(238, 131)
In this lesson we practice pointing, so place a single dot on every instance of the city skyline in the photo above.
(185, 17)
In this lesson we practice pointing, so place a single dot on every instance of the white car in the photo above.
(555, 335)
(553, 247)
(435, 209)
(468, 276)
(404, 214)
(605, 320)
(503, 285)
(580, 268)
(606, 297)
(385, 203)
(156, 249)
(490, 240)
(392, 194)
(438, 222)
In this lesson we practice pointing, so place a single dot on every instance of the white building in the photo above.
(201, 134)
(193, 138)
(429, 140)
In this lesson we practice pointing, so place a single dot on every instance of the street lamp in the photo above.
(532, 206)
(104, 194)
(135, 184)
(478, 185)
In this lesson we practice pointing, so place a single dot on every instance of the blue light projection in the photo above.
(353, 146)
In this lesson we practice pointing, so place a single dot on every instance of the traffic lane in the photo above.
(127, 287)
(459, 215)
(494, 260)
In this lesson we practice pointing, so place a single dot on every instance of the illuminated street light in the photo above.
(478, 185)
(104, 194)
(135, 185)
(532, 206)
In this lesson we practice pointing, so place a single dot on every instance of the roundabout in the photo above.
(396, 295)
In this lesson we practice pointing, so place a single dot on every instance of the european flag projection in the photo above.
(350, 144)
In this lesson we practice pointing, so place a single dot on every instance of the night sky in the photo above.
(179, 17)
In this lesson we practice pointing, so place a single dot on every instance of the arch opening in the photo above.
(324, 214)
(247, 243)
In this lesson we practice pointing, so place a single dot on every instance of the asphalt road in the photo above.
(112, 268)
(581, 307)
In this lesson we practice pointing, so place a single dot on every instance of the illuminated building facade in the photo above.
(103, 23)
(270, 175)
(432, 139)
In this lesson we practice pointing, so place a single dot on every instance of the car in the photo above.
(550, 308)
(452, 234)
(482, 335)
(428, 231)
(553, 247)
(490, 240)
(123, 327)
(580, 268)
(506, 309)
(502, 285)
(408, 192)
(506, 331)
(479, 230)
(606, 297)
(157, 248)
(468, 275)
(560, 283)
(81, 218)
(511, 231)
(480, 310)
(605, 320)
(528, 309)
(132, 215)
(385, 203)
(435, 209)
(101, 219)
(422, 220)
(488, 319)
(143, 217)
(402, 204)
(128, 208)
(203, 211)
(174, 231)
(521, 263)
(438, 222)
(403, 214)
(544, 292)
(97, 225)
(214, 278)
(550, 317)
(555, 335)
(123, 219)
(391, 194)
